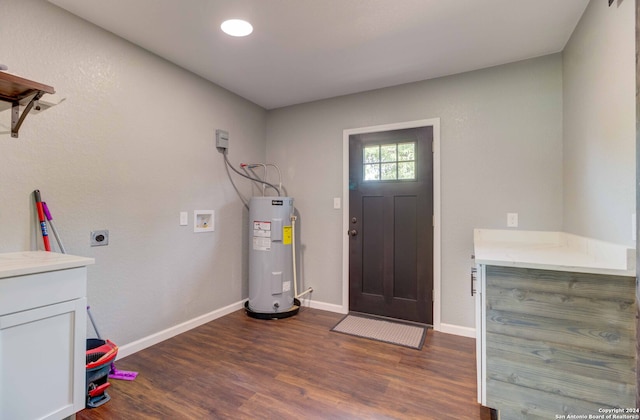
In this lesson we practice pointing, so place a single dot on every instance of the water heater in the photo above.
(271, 288)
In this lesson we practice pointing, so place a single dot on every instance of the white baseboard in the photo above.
(330, 307)
(143, 343)
(457, 330)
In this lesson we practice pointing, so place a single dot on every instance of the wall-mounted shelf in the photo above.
(19, 91)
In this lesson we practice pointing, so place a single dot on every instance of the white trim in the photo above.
(458, 330)
(330, 307)
(435, 123)
(143, 343)
(156, 338)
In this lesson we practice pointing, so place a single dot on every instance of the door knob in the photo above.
(352, 232)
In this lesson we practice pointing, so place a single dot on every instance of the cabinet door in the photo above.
(42, 361)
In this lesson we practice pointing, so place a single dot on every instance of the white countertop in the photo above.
(31, 262)
(557, 251)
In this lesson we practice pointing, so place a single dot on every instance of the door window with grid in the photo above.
(389, 162)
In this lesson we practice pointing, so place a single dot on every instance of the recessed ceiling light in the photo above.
(236, 27)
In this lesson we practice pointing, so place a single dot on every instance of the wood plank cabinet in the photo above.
(42, 335)
(553, 340)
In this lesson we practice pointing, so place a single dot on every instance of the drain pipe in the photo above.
(293, 251)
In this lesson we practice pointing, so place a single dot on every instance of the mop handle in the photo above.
(43, 224)
(47, 213)
(93, 322)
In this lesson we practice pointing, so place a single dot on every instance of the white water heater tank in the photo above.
(271, 287)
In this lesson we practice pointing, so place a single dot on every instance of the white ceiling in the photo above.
(304, 50)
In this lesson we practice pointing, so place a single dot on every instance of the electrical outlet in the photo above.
(100, 237)
(512, 219)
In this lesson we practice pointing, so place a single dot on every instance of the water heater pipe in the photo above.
(226, 160)
(264, 186)
(293, 251)
(251, 166)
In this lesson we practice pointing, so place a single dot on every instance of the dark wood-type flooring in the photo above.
(238, 367)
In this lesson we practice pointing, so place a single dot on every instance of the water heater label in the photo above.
(286, 235)
(276, 202)
(262, 229)
(262, 236)
(261, 244)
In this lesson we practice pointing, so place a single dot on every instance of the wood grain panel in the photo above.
(562, 357)
(513, 368)
(529, 404)
(559, 343)
(606, 313)
(596, 286)
(580, 334)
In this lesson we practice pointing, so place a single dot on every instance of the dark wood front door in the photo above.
(391, 224)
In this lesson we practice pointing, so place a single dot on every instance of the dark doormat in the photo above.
(385, 330)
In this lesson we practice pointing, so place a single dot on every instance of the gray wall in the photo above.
(130, 147)
(550, 138)
(501, 151)
(599, 123)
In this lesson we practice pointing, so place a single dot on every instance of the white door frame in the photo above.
(432, 122)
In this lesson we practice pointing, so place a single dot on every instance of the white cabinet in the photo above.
(42, 335)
